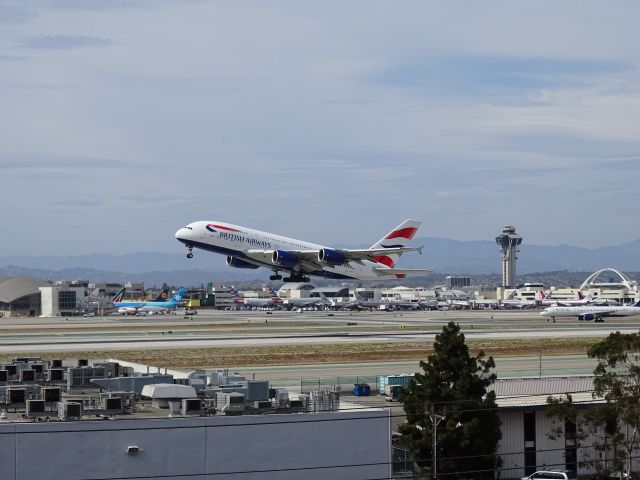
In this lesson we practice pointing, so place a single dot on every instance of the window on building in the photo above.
(66, 301)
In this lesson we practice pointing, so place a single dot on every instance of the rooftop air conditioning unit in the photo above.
(112, 404)
(16, 395)
(69, 410)
(35, 408)
(190, 406)
(51, 394)
(56, 375)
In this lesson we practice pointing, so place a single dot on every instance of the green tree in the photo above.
(453, 388)
(611, 426)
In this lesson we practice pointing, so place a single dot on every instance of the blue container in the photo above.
(361, 390)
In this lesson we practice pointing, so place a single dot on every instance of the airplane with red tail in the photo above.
(251, 249)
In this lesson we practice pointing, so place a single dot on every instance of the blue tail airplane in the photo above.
(135, 307)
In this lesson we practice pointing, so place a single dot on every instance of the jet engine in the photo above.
(237, 263)
(586, 316)
(284, 258)
(332, 257)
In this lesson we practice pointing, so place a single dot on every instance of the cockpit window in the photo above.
(188, 228)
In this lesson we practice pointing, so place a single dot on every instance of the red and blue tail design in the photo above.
(398, 237)
(235, 297)
(274, 296)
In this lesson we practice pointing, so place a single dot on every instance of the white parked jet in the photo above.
(273, 300)
(249, 248)
(593, 312)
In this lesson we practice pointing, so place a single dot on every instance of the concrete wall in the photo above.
(343, 445)
(49, 301)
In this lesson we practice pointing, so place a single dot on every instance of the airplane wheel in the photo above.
(286, 279)
(189, 255)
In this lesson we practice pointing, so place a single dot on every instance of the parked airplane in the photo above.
(581, 300)
(248, 248)
(548, 300)
(307, 301)
(135, 307)
(591, 312)
(273, 300)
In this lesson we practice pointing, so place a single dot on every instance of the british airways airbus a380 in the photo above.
(249, 248)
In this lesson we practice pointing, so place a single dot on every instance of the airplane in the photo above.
(154, 306)
(249, 248)
(273, 300)
(307, 301)
(548, 300)
(593, 312)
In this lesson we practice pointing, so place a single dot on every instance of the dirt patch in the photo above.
(193, 358)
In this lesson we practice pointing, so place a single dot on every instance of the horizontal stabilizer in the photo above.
(401, 271)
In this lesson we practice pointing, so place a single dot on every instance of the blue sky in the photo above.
(328, 121)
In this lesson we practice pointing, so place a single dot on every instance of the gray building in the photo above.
(337, 445)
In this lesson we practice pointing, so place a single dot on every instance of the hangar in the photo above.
(20, 296)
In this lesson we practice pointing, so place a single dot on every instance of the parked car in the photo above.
(551, 475)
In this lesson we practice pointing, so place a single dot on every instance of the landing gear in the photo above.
(275, 277)
(190, 254)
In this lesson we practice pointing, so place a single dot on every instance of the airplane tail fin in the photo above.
(274, 296)
(235, 296)
(178, 296)
(542, 295)
(398, 237)
(163, 296)
(94, 294)
(580, 295)
(637, 304)
(118, 296)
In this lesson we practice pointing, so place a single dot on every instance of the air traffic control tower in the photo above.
(509, 242)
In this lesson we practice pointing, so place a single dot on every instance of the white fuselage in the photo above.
(256, 247)
(595, 311)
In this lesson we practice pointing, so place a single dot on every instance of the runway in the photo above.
(225, 329)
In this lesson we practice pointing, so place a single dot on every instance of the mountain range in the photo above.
(440, 255)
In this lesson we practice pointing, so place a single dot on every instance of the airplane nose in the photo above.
(182, 234)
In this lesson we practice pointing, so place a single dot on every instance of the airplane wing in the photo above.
(311, 260)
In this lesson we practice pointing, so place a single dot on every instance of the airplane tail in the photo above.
(163, 296)
(637, 304)
(119, 296)
(178, 296)
(542, 295)
(235, 296)
(580, 295)
(274, 296)
(93, 295)
(398, 237)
